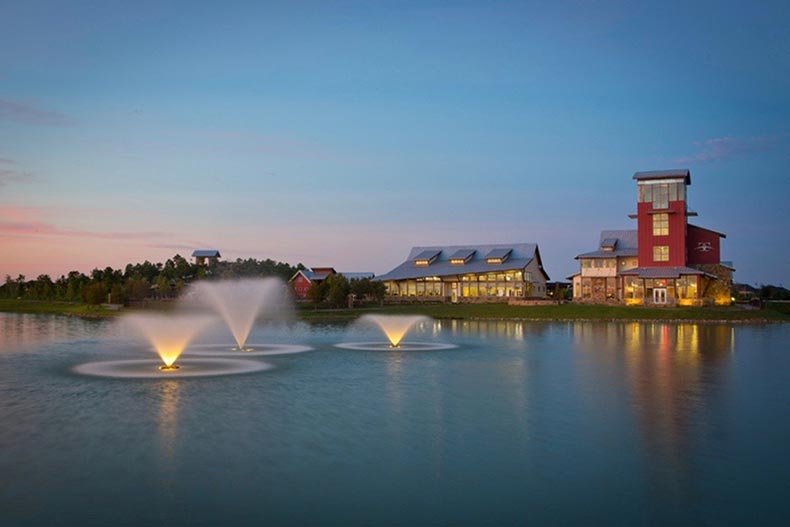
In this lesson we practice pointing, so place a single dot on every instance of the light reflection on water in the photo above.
(551, 423)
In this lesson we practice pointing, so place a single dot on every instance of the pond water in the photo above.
(521, 423)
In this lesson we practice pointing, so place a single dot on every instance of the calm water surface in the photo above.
(522, 424)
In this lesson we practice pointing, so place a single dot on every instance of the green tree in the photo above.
(163, 285)
(367, 289)
(95, 293)
(137, 288)
(317, 292)
(10, 288)
(338, 290)
(117, 294)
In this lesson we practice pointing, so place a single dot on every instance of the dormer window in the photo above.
(498, 256)
(609, 244)
(426, 258)
(461, 256)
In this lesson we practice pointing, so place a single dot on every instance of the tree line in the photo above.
(137, 282)
(337, 291)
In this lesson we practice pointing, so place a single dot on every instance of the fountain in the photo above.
(240, 302)
(395, 327)
(169, 335)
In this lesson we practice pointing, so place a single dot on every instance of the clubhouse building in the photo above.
(664, 261)
(468, 273)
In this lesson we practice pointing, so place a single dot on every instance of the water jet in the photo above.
(169, 334)
(395, 328)
(240, 302)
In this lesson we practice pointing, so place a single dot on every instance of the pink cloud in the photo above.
(24, 221)
(23, 113)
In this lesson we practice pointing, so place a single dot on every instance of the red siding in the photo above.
(301, 285)
(703, 246)
(675, 240)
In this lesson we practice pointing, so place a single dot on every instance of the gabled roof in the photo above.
(624, 241)
(313, 276)
(721, 234)
(521, 255)
(206, 253)
(665, 174)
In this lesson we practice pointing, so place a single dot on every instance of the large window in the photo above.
(687, 287)
(660, 194)
(660, 224)
(661, 253)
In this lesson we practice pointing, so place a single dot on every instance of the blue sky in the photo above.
(343, 133)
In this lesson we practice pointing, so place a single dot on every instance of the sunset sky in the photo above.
(343, 133)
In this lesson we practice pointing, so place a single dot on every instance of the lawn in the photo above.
(52, 307)
(554, 312)
(450, 311)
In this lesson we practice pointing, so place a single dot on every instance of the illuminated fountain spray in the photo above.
(395, 326)
(169, 334)
(240, 302)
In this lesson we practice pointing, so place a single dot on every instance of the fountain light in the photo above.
(169, 334)
(395, 327)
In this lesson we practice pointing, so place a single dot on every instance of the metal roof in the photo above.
(462, 254)
(313, 276)
(500, 253)
(721, 234)
(428, 254)
(625, 244)
(628, 251)
(522, 254)
(665, 174)
(206, 253)
(662, 272)
(609, 243)
(357, 275)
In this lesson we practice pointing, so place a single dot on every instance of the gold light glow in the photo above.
(169, 335)
(170, 347)
(395, 327)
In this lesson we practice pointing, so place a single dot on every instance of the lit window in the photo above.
(661, 196)
(660, 224)
(661, 253)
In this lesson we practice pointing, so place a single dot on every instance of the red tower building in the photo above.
(677, 263)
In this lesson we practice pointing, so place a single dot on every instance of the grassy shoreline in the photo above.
(554, 313)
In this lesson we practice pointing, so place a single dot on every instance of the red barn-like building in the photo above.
(303, 279)
(676, 263)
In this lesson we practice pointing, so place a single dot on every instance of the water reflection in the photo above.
(505, 329)
(22, 330)
(673, 373)
(169, 396)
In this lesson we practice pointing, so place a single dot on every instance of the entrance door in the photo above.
(660, 295)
